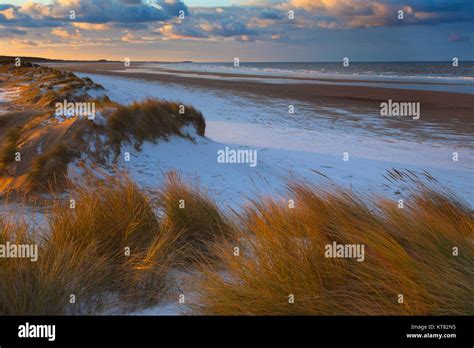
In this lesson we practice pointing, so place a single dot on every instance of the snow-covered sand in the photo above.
(7, 95)
(286, 145)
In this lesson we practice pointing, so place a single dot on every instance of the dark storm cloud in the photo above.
(90, 11)
(99, 11)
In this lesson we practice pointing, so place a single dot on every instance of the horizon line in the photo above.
(227, 61)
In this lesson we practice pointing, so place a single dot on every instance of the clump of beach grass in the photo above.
(3, 121)
(50, 168)
(118, 218)
(411, 266)
(46, 287)
(108, 252)
(151, 119)
(188, 208)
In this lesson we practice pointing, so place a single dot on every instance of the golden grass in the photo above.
(50, 168)
(189, 209)
(282, 254)
(104, 102)
(44, 287)
(84, 251)
(151, 119)
(116, 215)
(47, 86)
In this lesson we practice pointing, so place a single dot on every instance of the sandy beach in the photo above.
(249, 115)
(452, 111)
(329, 120)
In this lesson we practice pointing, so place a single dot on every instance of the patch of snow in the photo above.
(8, 94)
(162, 309)
(92, 146)
(99, 119)
(39, 148)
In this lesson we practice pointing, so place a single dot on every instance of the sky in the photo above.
(252, 30)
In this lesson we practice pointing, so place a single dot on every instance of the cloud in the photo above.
(36, 10)
(91, 26)
(271, 14)
(11, 32)
(65, 34)
(141, 21)
(329, 14)
(239, 23)
(455, 37)
(226, 29)
(130, 26)
(172, 32)
(9, 13)
(377, 13)
(129, 37)
(245, 38)
(99, 11)
(173, 7)
(91, 11)
(23, 43)
(268, 20)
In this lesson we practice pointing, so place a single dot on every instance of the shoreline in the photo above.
(343, 79)
(302, 78)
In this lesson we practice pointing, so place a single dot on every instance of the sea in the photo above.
(444, 76)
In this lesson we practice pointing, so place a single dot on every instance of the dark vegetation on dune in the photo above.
(51, 167)
(10, 147)
(39, 89)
